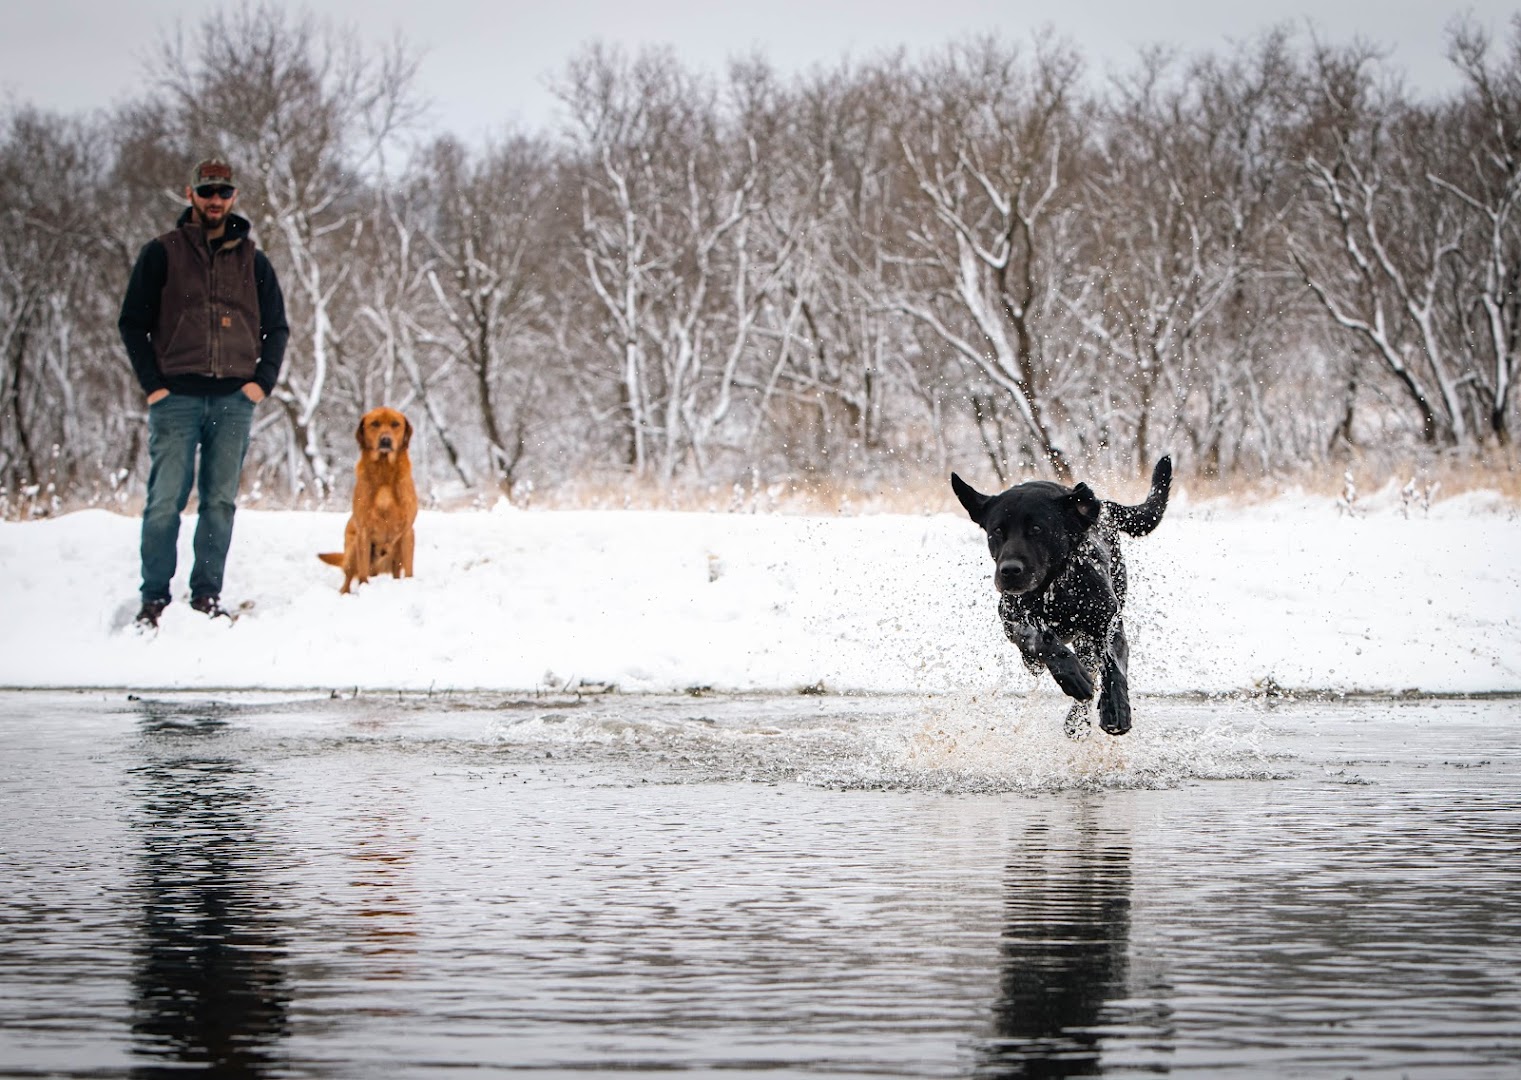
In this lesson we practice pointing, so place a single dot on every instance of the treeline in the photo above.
(1259, 259)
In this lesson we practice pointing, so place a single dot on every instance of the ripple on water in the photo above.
(374, 887)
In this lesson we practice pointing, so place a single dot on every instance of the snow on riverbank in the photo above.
(1222, 599)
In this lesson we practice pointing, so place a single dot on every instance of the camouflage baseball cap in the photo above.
(212, 171)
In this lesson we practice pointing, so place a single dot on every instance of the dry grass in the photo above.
(822, 495)
(1436, 478)
(931, 493)
(917, 493)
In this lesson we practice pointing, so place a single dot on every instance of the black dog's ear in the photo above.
(1082, 507)
(974, 501)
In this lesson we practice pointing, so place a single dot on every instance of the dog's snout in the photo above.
(1010, 576)
(385, 442)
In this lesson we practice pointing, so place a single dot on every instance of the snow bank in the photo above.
(1223, 599)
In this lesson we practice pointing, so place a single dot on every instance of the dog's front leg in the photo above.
(402, 566)
(1041, 648)
(1103, 652)
(1114, 706)
(363, 551)
(1068, 671)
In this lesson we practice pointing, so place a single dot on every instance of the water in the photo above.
(285, 886)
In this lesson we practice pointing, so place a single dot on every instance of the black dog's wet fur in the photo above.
(1061, 582)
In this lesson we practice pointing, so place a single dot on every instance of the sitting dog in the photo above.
(1061, 583)
(379, 534)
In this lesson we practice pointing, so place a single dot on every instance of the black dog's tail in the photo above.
(1140, 520)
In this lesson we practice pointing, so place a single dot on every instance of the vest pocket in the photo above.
(240, 344)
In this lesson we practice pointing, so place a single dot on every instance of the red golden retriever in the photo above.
(379, 536)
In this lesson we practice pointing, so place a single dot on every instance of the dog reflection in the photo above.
(210, 989)
(382, 924)
(1064, 955)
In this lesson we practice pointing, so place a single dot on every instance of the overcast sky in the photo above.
(485, 62)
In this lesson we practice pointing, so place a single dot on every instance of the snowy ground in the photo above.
(1223, 599)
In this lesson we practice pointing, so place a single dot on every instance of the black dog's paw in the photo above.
(1114, 713)
(1071, 676)
(1114, 706)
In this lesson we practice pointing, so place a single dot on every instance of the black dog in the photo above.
(1061, 582)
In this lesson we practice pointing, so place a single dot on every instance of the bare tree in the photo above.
(836, 347)
(987, 147)
(307, 116)
(1378, 243)
(668, 194)
(391, 284)
(1259, 258)
(1481, 170)
(60, 395)
(1189, 180)
(496, 233)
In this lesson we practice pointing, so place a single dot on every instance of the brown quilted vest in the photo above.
(208, 316)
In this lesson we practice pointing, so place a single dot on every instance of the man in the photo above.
(204, 325)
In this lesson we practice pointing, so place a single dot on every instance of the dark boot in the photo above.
(147, 616)
(209, 606)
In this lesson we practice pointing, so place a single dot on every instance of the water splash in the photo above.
(967, 743)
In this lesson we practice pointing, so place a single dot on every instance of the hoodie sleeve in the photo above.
(274, 330)
(139, 312)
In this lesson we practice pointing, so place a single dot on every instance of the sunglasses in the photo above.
(220, 191)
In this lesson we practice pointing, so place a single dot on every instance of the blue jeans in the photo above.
(178, 425)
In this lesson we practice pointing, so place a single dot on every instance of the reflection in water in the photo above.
(381, 927)
(1064, 954)
(209, 986)
(298, 895)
